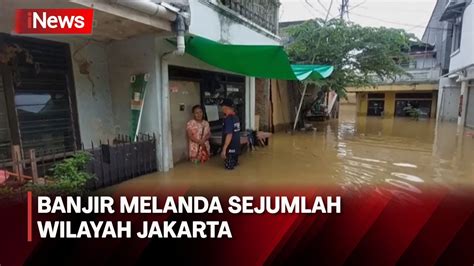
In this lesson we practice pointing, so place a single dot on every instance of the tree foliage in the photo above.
(356, 52)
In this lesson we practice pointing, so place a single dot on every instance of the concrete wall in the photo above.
(465, 56)
(437, 34)
(125, 58)
(448, 103)
(395, 87)
(470, 107)
(389, 108)
(351, 98)
(93, 93)
(209, 21)
(434, 105)
(362, 103)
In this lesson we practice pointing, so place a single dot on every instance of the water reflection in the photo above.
(400, 157)
(409, 165)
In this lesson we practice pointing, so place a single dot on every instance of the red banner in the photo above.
(54, 21)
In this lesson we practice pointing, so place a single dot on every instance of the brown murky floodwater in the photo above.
(352, 152)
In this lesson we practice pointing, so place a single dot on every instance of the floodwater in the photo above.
(350, 153)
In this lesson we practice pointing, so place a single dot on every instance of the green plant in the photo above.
(72, 168)
(6, 192)
(415, 113)
(68, 177)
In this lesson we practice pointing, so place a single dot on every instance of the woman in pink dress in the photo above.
(198, 132)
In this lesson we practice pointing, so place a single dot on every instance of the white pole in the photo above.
(252, 104)
(167, 151)
(464, 95)
(301, 104)
(247, 103)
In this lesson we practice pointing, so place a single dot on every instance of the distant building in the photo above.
(451, 31)
(417, 89)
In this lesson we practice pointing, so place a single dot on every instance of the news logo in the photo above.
(54, 21)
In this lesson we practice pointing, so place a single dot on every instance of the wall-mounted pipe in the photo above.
(158, 10)
(167, 150)
(180, 25)
(148, 7)
(179, 20)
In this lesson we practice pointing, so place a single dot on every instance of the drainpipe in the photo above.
(167, 151)
(173, 14)
(148, 7)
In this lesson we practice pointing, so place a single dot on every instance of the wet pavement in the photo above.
(350, 153)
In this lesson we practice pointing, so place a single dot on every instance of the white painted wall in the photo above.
(93, 94)
(134, 56)
(184, 60)
(448, 104)
(207, 22)
(465, 57)
(126, 58)
(470, 108)
(464, 93)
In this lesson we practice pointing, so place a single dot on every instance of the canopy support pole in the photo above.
(299, 107)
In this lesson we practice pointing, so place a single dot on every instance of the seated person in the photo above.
(198, 132)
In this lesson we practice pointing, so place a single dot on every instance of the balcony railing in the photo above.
(413, 76)
(261, 12)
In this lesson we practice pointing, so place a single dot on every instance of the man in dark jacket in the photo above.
(230, 135)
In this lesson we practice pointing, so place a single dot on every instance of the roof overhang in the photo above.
(463, 73)
(453, 10)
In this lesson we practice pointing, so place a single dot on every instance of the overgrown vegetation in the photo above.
(356, 52)
(6, 192)
(68, 177)
(415, 113)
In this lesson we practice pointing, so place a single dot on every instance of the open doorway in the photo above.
(183, 96)
(376, 104)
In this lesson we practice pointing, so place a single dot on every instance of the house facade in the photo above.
(417, 89)
(59, 93)
(451, 30)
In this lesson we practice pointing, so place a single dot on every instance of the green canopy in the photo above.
(262, 61)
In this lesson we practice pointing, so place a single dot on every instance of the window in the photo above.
(375, 107)
(37, 103)
(457, 32)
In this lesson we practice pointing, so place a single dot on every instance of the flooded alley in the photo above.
(350, 153)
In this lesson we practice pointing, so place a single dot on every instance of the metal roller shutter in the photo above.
(5, 139)
(42, 95)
